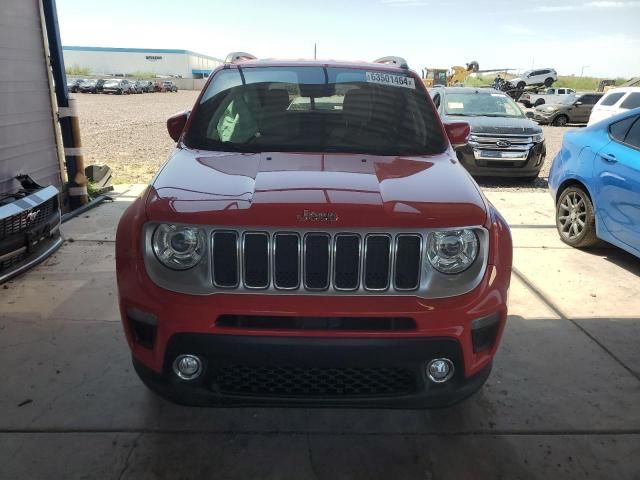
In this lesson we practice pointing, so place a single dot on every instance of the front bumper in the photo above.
(503, 168)
(249, 370)
(544, 119)
(161, 324)
(29, 231)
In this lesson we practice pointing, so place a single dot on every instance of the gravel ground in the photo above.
(129, 134)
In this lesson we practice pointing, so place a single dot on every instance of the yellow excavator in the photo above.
(453, 76)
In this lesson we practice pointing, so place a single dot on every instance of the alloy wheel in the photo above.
(572, 215)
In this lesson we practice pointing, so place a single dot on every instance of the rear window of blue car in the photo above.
(619, 130)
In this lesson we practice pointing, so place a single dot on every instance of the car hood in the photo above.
(508, 125)
(275, 189)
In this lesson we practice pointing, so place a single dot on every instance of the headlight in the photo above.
(178, 247)
(452, 251)
(538, 137)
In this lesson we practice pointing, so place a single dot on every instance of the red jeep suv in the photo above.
(313, 240)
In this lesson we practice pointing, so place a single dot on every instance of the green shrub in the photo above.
(140, 75)
(76, 69)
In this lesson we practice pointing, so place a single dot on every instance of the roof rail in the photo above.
(235, 57)
(398, 61)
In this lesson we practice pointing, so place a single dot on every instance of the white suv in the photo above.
(542, 76)
(615, 101)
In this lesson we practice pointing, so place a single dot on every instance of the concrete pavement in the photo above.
(563, 400)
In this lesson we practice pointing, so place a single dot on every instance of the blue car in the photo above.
(595, 182)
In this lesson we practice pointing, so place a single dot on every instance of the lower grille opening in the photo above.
(313, 382)
(484, 332)
(144, 333)
(254, 322)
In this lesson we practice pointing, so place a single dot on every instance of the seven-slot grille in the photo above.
(316, 261)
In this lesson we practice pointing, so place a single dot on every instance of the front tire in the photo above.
(575, 218)
(521, 85)
(548, 82)
(560, 121)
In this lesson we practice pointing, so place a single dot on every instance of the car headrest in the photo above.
(276, 100)
(357, 107)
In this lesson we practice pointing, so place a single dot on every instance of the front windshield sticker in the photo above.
(390, 79)
(454, 105)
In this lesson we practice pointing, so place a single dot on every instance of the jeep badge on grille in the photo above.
(311, 216)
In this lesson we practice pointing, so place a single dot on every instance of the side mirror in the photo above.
(176, 123)
(458, 133)
(529, 114)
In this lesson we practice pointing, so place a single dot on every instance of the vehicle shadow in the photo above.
(515, 183)
(617, 256)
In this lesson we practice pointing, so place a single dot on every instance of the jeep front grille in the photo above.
(316, 261)
(281, 261)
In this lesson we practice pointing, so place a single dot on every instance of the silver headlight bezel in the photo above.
(452, 265)
(166, 253)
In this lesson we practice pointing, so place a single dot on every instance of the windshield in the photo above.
(112, 82)
(315, 109)
(476, 104)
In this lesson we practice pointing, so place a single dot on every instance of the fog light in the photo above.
(187, 367)
(440, 370)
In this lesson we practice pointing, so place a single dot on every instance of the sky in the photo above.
(598, 37)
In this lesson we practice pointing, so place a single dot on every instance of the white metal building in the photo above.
(28, 136)
(126, 61)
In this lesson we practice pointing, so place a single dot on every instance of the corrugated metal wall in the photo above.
(27, 138)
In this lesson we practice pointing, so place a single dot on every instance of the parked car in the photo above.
(136, 87)
(159, 87)
(169, 86)
(503, 141)
(73, 85)
(147, 86)
(595, 182)
(571, 109)
(615, 101)
(290, 256)
(88, 86)
(542, 76)
(551, 95)
(99, 85)
(117, 86)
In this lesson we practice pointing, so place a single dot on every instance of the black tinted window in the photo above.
(612, 98)
(632, 101)
(633, 137)
(619, 129)
(315, 109)
(589, 99)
